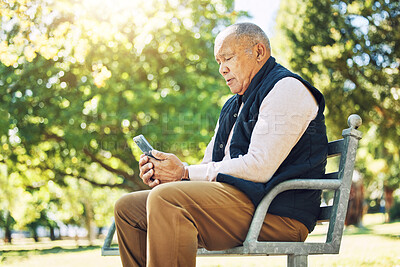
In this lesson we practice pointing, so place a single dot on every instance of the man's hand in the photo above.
(147, 172)
(166, 167)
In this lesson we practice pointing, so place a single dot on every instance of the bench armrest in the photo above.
(261, 211)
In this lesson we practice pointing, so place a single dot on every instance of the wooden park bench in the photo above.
(297, 252)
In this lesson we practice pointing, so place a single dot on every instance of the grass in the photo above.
(376, 244)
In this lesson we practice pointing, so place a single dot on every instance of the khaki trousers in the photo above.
(164, 226)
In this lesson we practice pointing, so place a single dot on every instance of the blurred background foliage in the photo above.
(79, 79)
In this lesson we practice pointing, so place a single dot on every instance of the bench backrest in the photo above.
(339, 182)
(345, 148)
(335, 149)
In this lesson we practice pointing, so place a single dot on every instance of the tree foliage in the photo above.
(350, 50)
(79, 79)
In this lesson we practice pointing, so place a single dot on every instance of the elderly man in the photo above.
(271, 130)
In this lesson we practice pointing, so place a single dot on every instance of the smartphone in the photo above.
(142, 143)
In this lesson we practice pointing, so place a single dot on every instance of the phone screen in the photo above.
(143, 144)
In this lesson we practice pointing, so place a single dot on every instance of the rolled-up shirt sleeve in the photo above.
(284, 116)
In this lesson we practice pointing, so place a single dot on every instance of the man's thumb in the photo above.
(158, 154)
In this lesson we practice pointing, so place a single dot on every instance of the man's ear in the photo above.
(261, 51)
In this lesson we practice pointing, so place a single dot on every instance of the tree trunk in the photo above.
(388, 201)
(52, 235)
(89, 221)
(8, 228)
(35, 234)
(99, 232)
(7, 235)
(355, 210)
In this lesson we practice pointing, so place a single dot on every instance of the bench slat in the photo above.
(332, 175)
(335, 148)
(325, 213)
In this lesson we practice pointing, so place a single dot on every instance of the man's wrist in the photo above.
(185, 175)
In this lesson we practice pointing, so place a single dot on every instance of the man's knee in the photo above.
(165, 193)
(134, 202)
(121, 204)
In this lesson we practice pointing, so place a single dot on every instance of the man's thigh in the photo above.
(220, 212)
(278, 228)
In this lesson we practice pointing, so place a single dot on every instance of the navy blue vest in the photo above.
(307, 159)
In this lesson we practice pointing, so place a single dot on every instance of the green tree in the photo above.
(94, 81)
(350, 50)
(78, 80)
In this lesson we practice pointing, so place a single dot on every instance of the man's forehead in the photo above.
(224, 44)
(225, 33)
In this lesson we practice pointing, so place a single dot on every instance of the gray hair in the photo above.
(250, 33)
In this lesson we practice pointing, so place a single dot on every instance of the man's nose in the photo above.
(223, 69)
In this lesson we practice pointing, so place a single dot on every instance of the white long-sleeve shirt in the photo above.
(284, 116)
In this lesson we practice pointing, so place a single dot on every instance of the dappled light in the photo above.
(79, 79)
